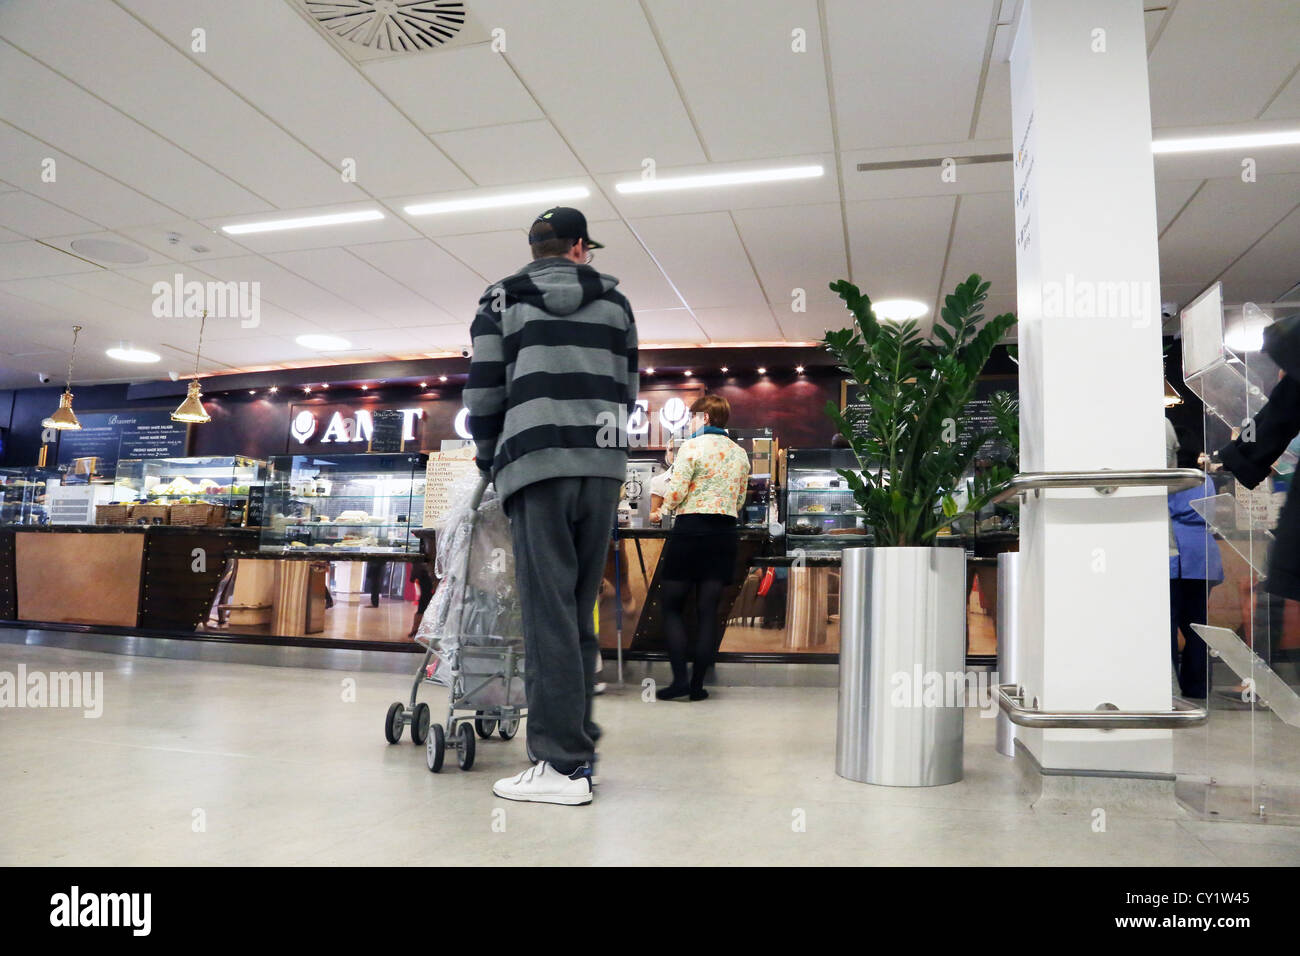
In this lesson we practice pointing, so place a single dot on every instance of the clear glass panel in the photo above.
(1244, 763)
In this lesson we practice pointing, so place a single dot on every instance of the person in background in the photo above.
(659, 483)
(1194, 570)
(552, 381)
(710, 479)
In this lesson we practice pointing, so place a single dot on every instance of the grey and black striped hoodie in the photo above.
(554, 367)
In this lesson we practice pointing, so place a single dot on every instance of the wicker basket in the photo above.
(146, 514)
(199, 515)
(113, 514)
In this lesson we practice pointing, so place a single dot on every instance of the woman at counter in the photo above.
(710, 478)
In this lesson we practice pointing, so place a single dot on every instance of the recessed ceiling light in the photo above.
(536, 197)
(303, 222)
(129, 353)
(365, 388)
(706, 180)
(899, 310)
(274, 389)
(1196, 144)
(762, 371)
(424, 385)
(688, 373)
(252, 391)
(323, 343)
(724, 370)
(325, 386)
(649, 371)
(799, 369)
(442, 378)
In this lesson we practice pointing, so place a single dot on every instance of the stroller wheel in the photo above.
(435, 748)
(465, 748)
(420, 724)
(484, 725)
(508, 728)
(393, 722)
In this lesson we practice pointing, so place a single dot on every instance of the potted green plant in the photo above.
(903, 600)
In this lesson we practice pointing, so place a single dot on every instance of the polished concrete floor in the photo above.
(197, 763)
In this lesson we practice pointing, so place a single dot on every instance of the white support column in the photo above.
(1094, 610)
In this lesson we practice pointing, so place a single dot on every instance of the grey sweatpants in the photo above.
(560, 529)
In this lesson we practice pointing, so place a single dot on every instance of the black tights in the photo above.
(707, 595)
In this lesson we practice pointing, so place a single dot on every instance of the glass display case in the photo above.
(761, 447)
(821, 514)
(232, 481)
(22, 495)
(344, 504)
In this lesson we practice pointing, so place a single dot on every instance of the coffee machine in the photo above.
(634, 503)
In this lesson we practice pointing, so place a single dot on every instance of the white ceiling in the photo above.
(152, 138)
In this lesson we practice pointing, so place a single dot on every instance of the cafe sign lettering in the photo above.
(345, 426)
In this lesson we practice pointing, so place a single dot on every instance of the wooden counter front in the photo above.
(79, 578)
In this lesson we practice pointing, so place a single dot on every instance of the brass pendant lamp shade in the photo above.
(64, 418)
(191, 410)
(1172, 397)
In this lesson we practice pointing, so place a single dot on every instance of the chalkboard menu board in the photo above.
(110, 436)
(386, 432)
(978, 412)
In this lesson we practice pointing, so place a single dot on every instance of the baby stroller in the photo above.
(472, 634)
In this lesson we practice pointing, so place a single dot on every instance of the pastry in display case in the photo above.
(23, 495)
(344, 504)
(231, 483)
(821, 514)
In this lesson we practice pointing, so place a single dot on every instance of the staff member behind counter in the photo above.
(707, 488)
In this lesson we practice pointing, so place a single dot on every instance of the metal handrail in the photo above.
(1011, 699)
(1103, 482)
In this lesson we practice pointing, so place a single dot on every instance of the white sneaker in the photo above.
(542, 783)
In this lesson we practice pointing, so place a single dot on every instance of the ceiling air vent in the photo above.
(390, 26)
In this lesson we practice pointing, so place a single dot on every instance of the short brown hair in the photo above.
(545, 243)
(716, 407)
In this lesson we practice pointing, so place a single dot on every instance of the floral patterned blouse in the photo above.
(710, 476)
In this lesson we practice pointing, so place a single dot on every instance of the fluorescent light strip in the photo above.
(1196, 144)
(498, 202)
(304, 222)
(705, 180)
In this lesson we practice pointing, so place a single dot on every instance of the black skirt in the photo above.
(700, 548)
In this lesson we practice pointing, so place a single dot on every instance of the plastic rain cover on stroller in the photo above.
(474, 617)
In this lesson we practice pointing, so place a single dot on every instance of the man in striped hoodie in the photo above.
(551, 385)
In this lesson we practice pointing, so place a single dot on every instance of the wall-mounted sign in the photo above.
(109, 436)
(345, 425)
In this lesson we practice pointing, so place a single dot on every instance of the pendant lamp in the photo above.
(1172, 397)
(192, 410)
(64, 418)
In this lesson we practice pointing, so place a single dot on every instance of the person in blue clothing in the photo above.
(1193, 572)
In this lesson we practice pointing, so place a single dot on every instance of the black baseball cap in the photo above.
(568, 223)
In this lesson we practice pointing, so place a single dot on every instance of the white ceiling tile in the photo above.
(53, 109)
(1171, 196)
(494, 254)
(665, 326)
(626, 259)
(795, 248)
(760, 66)
(1220, 62)
(284, 68)
(111, 53)
(515, 153)
(995, 105)
(752, 323)
(355, 280)
(195, 241)
(703, 257)
(1286, 105)
(895, 81)
(76, 187)
(29, 260)
(429, 270)
(984, 242)
(282, 287)
(1235, 214)
(600, 78)
(454, 89)
(898, 244)
(1270, 268)
(38, 219)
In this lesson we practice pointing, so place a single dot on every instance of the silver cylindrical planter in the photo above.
(902, 656)
(1008, 640)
